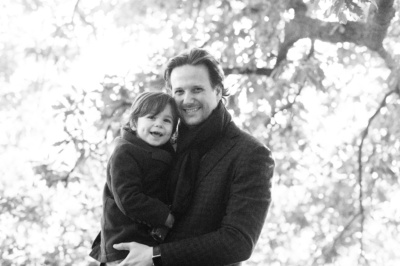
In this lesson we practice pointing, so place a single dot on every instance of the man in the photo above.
(230, 169)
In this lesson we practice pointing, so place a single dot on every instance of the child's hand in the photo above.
(159, 233)
(170, 221)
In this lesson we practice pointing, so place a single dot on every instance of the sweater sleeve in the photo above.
(126, 185)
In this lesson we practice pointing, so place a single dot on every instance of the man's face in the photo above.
(192, 91)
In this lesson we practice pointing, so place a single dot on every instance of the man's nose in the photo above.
(187, 98)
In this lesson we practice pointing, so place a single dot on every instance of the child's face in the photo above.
(156, 130)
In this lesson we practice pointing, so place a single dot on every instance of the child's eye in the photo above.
(167, 121)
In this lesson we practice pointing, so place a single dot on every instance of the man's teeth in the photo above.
(191, 110)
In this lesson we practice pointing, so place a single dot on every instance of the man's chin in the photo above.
(191, 121)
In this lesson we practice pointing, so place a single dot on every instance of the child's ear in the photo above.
(132, 125)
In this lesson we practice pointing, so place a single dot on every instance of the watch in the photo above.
(157, 256)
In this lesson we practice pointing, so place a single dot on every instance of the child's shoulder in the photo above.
(122, 145)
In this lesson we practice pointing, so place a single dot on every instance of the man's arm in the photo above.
(250, 197)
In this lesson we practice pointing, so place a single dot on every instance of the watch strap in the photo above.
(157, 256)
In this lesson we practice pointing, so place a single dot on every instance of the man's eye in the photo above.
(198, 89)
(178, 92)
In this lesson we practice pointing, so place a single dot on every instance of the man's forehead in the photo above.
(188, 85)
(190, 81)
(190, 70)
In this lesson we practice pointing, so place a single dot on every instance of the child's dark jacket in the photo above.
(134, 196)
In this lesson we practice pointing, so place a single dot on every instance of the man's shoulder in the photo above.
(247, 147)
(242, 137)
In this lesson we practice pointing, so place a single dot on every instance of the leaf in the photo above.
(338, 7)
(342, 18)
(58, 143)
(355, 9)
(58, 106)
(373, 2)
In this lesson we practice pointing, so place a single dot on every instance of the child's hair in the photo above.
(152, 103)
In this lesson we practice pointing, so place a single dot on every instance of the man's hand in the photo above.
(139, 254)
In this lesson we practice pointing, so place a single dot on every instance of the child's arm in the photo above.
(170, 221)
(125, 182)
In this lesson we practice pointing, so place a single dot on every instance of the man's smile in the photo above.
(191, 110)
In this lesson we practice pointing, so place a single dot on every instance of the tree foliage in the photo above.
(316, 81)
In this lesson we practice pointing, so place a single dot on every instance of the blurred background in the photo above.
(316, 81)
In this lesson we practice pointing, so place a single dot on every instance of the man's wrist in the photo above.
(157, 256)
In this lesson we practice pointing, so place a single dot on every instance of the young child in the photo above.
(134, 196)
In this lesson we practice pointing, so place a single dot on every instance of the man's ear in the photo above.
(219, 88)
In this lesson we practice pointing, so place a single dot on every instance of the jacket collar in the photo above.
(161, 153)
(218, 152)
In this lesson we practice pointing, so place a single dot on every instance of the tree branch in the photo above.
(338, 237)
(388, 58)
(378, 22)
(75, 11)
(78, 161)
(370, 34)
(289, 104)
(248, 71)
(360, 170)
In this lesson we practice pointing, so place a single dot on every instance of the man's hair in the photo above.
(195, 57)
(152, 103)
